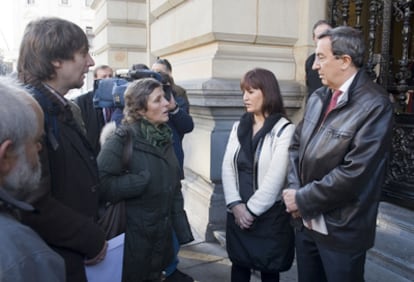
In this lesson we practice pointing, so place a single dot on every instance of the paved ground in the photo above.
(208, 262)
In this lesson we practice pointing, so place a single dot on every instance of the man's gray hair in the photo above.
(346, 40)
(18, 120)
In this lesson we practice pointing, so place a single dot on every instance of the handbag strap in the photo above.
(127, 152)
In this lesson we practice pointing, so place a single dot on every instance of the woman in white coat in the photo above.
(258, 231)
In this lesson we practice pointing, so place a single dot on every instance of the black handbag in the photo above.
(113, 219)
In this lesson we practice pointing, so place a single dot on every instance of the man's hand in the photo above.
(100, 257)
(172, 103)
(243, 218)
(289, 199)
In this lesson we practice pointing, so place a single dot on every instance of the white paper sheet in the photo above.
(317, 224)
(110, 269)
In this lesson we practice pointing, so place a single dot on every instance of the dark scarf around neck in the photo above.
(158, 136)
(245, 130)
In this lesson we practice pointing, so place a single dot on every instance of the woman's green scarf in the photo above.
(158, 136)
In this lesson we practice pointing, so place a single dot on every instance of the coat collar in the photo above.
(324, 93)
(10, 202)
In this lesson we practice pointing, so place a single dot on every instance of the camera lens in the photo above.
(167, 91)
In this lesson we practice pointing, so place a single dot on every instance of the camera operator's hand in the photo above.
(173, 104)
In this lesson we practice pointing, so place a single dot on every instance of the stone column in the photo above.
(120, 32)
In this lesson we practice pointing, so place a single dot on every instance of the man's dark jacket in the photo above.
(67, 199)
(313, 81)
(93, 119)
(338, 167)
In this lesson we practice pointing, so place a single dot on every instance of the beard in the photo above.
(23, 178)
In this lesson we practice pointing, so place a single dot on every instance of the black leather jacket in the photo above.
(338, 167)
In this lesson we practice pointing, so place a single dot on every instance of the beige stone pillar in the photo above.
(120, 30)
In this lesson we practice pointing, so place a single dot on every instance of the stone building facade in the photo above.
(211, 44)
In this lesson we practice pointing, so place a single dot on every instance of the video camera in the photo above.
(109, 92)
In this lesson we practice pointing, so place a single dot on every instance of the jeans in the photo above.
(173, 265)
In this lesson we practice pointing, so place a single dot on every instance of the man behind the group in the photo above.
(313, 81)
(54, 58)
(338, 160)
(93, 117)
(24, 255)
(163, 65)
(180, 120)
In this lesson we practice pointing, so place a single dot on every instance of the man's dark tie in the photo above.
(332, 103)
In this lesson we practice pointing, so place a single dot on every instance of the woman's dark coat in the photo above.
(154, 203)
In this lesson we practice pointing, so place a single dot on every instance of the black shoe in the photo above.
(178, 276)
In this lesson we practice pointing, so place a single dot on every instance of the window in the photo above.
(30, 2)
(64, 2)
(89, 30)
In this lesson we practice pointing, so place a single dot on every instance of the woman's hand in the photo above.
(100, 257)
(243, 218)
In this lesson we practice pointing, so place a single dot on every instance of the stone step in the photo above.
(396, 219)
(220, 236)
(375, 272)
(394, 243)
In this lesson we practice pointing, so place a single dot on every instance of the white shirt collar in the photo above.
(345, 86)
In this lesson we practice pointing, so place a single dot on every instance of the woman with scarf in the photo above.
(151, 188)
(258, 232)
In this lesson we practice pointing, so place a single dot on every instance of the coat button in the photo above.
(93, 188)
